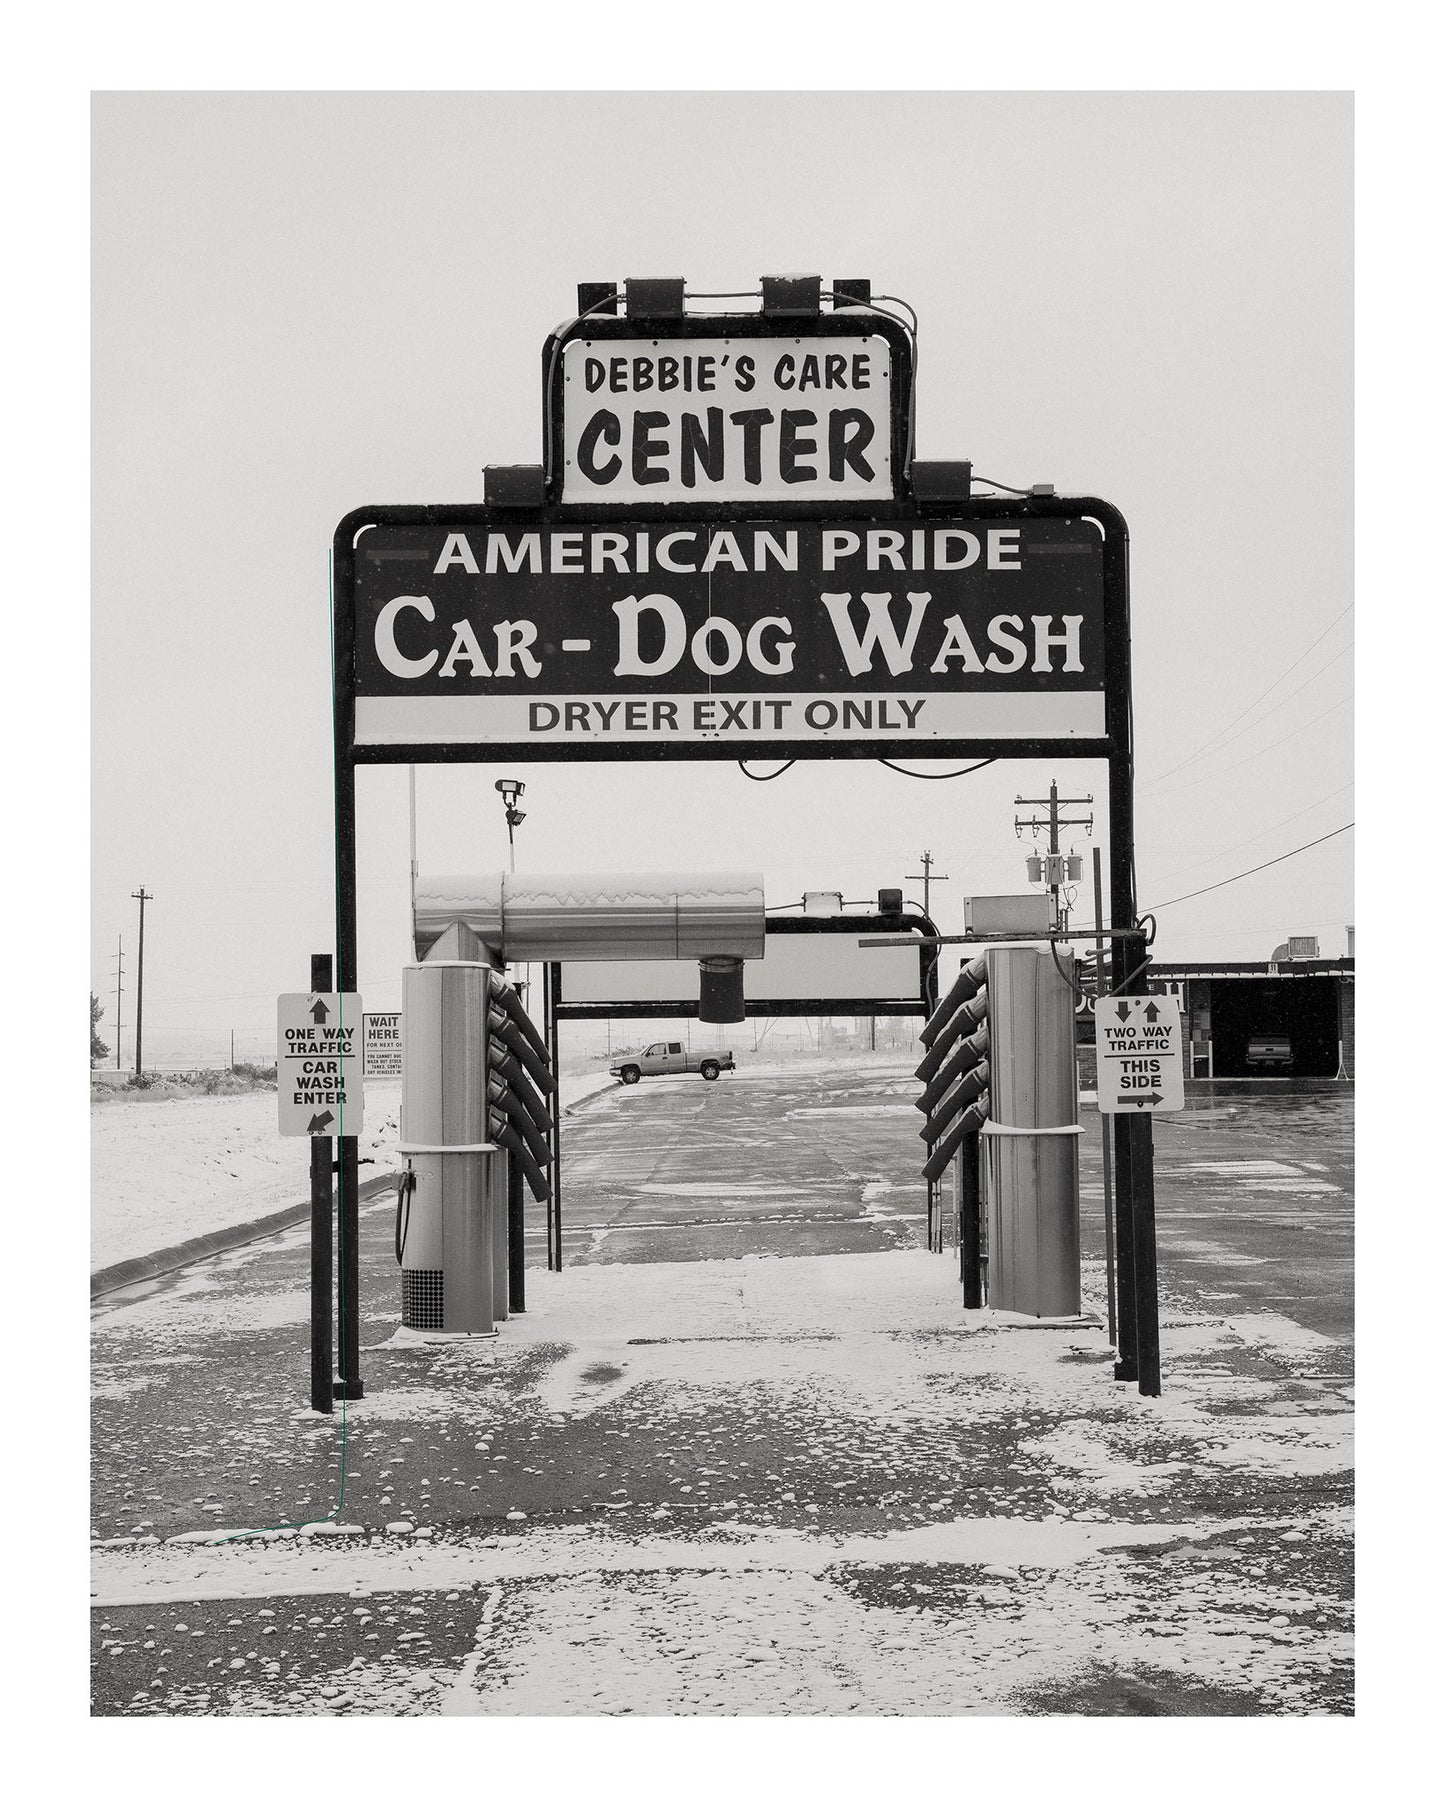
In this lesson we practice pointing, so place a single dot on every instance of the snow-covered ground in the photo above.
(162, 1171)
(962, 1513)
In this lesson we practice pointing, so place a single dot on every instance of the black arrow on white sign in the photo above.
(1148, 1098)
(1123, 1011)
(1151, 1013)
(317, 1125)
(318, 1012)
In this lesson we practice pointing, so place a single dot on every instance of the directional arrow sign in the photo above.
(318, 1063)
(1141, 1057)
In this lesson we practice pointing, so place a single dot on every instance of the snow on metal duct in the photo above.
(598, 915)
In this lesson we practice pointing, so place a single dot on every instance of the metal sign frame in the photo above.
(1133, 1136)
(847, 322)
(480, 519)
(1138, 1329)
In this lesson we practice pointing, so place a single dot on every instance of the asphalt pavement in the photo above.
(752, 1376)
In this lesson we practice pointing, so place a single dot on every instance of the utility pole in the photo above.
(1053, 874)
(940, 878)
(119, 969)
(144, 898)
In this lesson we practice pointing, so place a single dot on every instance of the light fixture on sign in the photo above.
(510, 789)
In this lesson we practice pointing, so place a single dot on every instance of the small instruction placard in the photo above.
(1140, 1054)
(318, 1063)
(381, 1044)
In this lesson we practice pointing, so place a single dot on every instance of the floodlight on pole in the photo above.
(510, 789)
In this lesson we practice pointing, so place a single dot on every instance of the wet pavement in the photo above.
(683, 1440)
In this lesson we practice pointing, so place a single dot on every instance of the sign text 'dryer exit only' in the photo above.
(676, 633)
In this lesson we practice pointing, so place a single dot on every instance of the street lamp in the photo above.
(511, 789)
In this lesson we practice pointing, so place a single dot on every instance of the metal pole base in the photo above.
(347, 1389)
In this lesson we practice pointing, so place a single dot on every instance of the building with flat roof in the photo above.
(1253, 1019)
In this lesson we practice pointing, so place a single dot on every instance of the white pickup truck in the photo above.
(672, 1057)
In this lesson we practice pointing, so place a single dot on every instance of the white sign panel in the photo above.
(749, 720)
(381, 1044)
(1140, 1054)
(824, 965)
(802, 419)
(318, 1063)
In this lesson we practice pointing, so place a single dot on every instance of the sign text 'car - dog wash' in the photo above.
(749, 633)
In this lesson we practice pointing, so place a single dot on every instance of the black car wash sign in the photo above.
(795, 418)
(745, 635)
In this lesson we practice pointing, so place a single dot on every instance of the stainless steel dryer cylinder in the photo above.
(448, 1256)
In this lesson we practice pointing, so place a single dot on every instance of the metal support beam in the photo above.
(970, 1266)
(516, 1231)
(321, 1218)
(343, 720)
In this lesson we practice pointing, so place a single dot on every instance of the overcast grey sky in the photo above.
(307, 302)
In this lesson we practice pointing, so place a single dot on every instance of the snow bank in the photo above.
(164, 1171)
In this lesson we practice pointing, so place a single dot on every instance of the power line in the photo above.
(1262, 695)
(1208, 751)
(1239, 875)
(1210, 777)
(1249, 840)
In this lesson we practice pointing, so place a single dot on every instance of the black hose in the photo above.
(971, 1086)
(512, 1037)
(512, 1004)
(966, 1053)
(510, 1069)
(970, 979)
(406, 1185)
(506, 1100)
(513, 1143)
(966, 1018)
(973, 1118)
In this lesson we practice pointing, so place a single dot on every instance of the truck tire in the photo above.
(631, 1075)
(709, 1069)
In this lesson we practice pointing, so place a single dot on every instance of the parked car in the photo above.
(1265, 1051)
(672, 1057)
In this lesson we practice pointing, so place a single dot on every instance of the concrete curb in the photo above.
(214, 1242)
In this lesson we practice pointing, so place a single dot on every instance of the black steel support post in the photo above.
(970, 1266)
(1138, 1295)
(1146, 1277)
(1138, 1344)
(554, 987)
(1127, 1343)
(321, 1213)
(343, 690)
(516, 1233)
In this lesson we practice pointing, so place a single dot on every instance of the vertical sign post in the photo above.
(321, 1231)
(319, 1092)
(1103, 1120)
(552, 985)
